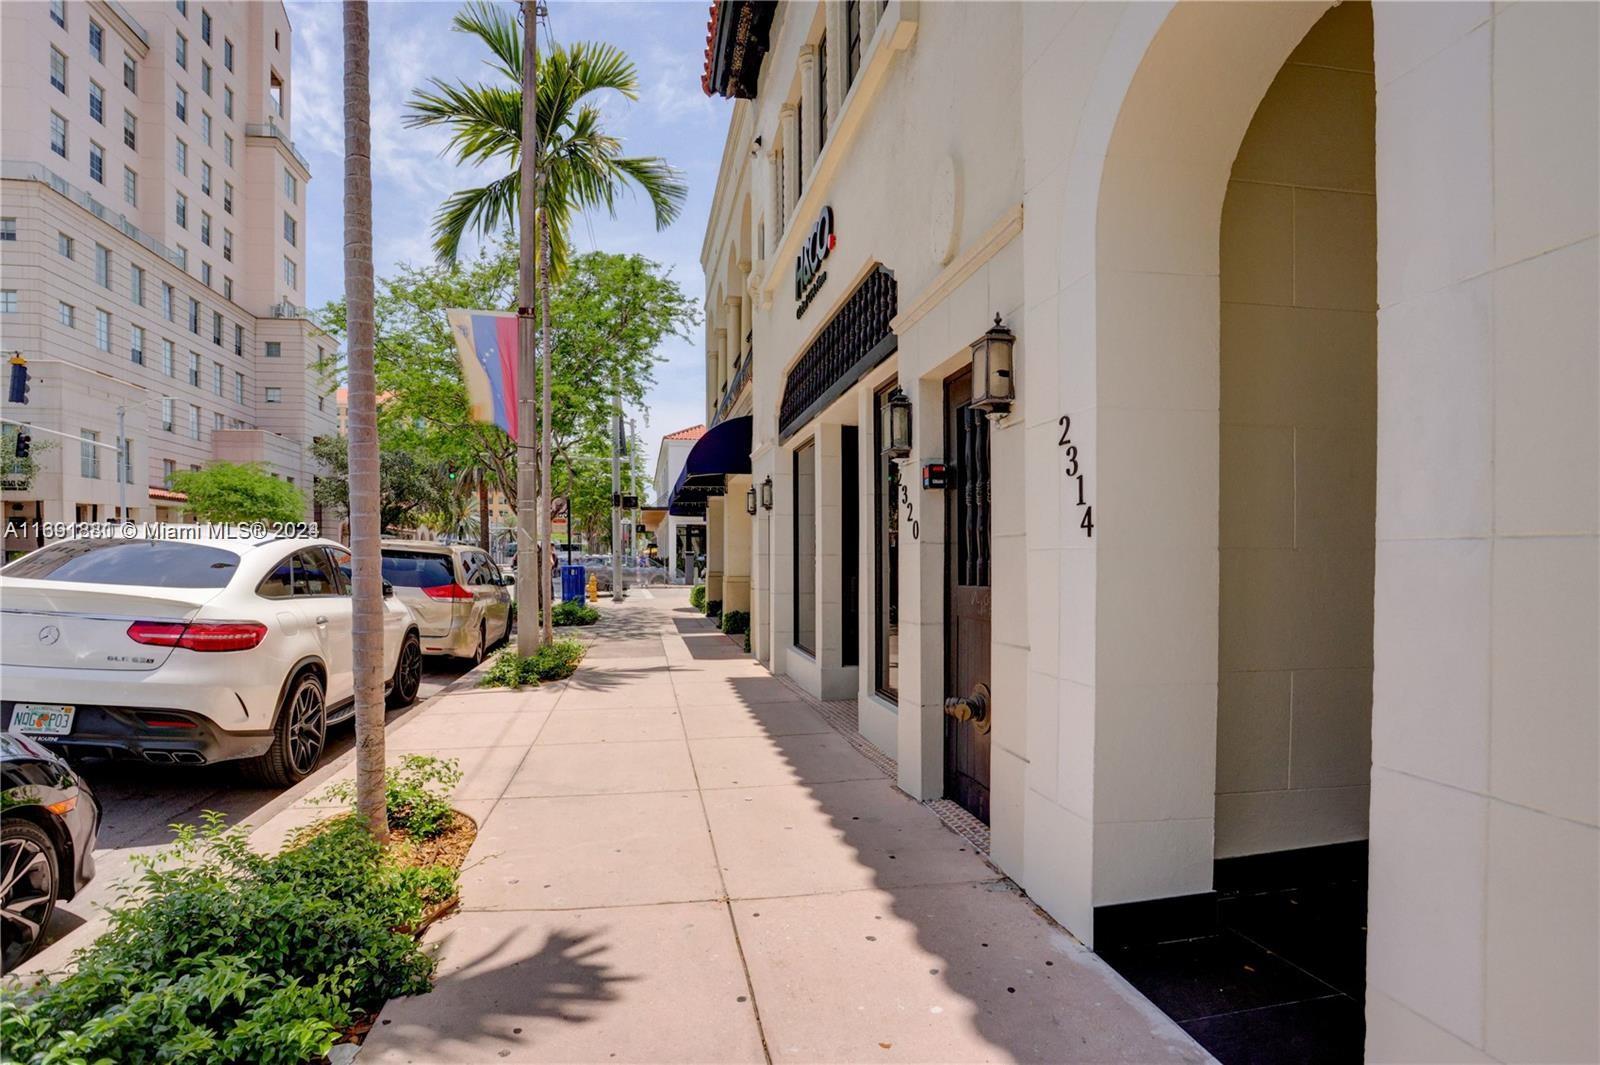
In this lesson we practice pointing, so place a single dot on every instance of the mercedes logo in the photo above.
(49, 634)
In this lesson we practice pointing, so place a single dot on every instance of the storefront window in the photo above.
(886, 598)
(805, 548)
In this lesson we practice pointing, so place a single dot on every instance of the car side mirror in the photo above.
(388, 589)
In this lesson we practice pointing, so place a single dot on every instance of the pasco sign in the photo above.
(808, 272)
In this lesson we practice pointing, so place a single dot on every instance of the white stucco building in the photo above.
(152, 210)
(1284, 557)
(680, 538)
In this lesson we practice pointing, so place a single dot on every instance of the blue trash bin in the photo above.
(574, 584)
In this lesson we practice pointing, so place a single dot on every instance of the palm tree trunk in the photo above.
(545, 537)
(367, 575)
(528, 596)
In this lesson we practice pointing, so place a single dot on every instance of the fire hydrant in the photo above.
(594, 588)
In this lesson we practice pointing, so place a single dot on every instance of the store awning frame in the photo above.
(723, 451)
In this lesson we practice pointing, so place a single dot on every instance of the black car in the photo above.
(48, 822)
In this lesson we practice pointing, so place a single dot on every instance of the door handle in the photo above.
(322, 619)
(973, 708)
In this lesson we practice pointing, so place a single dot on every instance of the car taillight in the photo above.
(447, 591)
(199, 635)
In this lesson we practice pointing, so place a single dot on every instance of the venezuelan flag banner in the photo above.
(487, 344)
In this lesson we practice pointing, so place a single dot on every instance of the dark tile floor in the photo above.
(1281, 977)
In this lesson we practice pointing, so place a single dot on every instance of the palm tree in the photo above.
(579, 167)
(365, 499)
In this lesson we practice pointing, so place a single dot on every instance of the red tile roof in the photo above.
(711, 43)
(694, 432)
(167, 495)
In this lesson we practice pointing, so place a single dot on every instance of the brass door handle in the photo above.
(973, 708)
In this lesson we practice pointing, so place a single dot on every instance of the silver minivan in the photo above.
(461, 599)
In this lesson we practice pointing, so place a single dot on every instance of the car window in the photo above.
(147, 563)
(341, 567)
(313, 575)
(496, 574)
(472, 568)
(416, 569)
(279, 582)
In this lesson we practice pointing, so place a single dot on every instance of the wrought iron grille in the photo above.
(972, 495)
(855, 340)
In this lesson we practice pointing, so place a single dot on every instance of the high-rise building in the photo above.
(153, 242)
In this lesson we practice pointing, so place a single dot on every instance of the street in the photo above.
(139, 803)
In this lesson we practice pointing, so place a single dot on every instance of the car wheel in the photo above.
(407, 674)
(29, 885)
(482, 649)
(298, 737)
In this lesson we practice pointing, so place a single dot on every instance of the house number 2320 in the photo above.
(1075, 474)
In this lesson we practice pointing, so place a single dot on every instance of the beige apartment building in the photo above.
(1251, 612)
(153, 252)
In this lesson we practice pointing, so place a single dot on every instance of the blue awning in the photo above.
(724, 450)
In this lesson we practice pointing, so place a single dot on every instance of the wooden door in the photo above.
(968, 708)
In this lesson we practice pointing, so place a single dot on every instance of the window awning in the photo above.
(724, 450)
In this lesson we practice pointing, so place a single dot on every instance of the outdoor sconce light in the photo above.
(992, 387)
(750, 502)
(766, 494)
(897, 425)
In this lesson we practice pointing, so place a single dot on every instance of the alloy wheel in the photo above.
(409, 676)
(27, 891)
(307, 729)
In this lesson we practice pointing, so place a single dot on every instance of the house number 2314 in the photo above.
(1075, 474)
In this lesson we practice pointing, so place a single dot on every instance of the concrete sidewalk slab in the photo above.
(490, 728)
(763, 720)
(611, 725)
(763, 761)
(604, 769)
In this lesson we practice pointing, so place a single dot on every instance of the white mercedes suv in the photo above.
(189, 651)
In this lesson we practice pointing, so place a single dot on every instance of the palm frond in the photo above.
(497, 28)
(480, 210)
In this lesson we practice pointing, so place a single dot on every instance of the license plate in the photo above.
(42, 719)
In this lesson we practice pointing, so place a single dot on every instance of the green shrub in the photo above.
(218, 954)
(747, 641)
(697, 597)
(553, 661)
(713, 608)
(735, 621)
(418, 793)
(575, 612)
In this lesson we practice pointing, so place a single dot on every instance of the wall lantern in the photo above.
(992, 386)
(897, 425)
(750, 501)
(766, 494)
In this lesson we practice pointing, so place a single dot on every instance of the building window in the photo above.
(205, 128)
(58, 134)
(238, 330)
(205, 177)
(227, 196)
(205, 25)
(97, 102)
(194, 369)
(274, 395)
(130, 73)
(97, 163)
(8, 301)
(275, 94)
(216, 378)
(822, 92)
(168, 364)
(183, 7)
(58, 70)
(194, 423)
(8, 229)
(102, 266)
(183, 256)
(290, 230)
(291, 273)
(97, 41)
(852, 57)
(238, 387)
(320, 400)
(126, 472)
(169, 467)
(89, 454)
(102, 329)
(291, 186)
(180, 210)
(273, 349)
(180, 104)
(217, 420)
(805, 548)
(64, 245)
(205, 77)
(205, 229)
(130, 187)
(167, 301)
(136, 283)
(227, 54)
(136, 345)
(166, 414)
(180, 156)
(130, 129)
(181, 52)
(216, 333)
(194, 320)
(886, 527)
(69, 315)
(58, 12)
(227, 245)
(227, 149)
(227, 101)
(205, 274)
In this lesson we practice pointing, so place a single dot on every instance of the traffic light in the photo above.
(24, 445)
(19, 380)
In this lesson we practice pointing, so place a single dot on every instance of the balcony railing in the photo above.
(16, 170)
(270, 128)
(735, 389)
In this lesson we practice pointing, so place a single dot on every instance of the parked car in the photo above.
(459, 596)
(190, 651)
(47, 836)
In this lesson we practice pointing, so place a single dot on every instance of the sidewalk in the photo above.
(679, 859)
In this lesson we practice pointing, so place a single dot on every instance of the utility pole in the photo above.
(616, 493)
(633, 479)
(529, 626)
(122, 463)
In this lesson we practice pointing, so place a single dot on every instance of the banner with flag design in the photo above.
(487, 344)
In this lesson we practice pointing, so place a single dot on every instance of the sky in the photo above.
(412, 42)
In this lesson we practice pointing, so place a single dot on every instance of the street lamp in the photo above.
(750, 502)
(897, 425)
(766, 494)
(992, 387)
